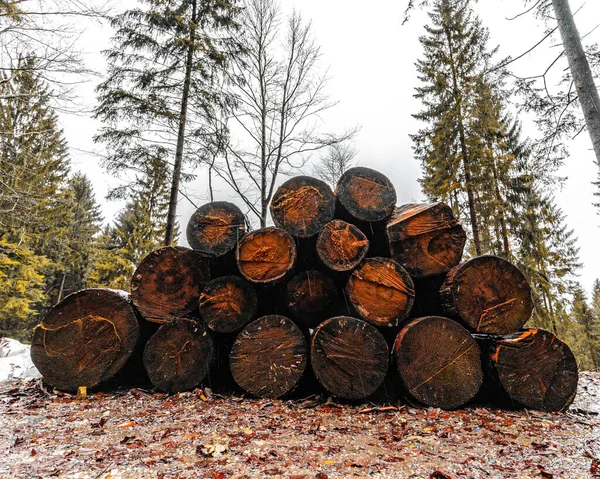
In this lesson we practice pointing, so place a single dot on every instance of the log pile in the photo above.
(347, 293)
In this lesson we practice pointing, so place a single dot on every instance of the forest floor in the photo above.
(140, 434)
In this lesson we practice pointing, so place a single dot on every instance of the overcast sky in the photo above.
(371, 56)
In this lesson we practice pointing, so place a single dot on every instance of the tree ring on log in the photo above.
(341, 246)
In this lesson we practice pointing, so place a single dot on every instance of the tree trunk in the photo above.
(438, 362)
(341, 246)
(349, 357)
(85, 339)
(311, 297)
(587, 93)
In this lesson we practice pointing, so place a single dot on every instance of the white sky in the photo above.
(371, 60)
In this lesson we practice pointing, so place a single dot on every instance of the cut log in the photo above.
(269, 356)
(381, 291)
(489, 294)
(215, 228)
(266, 256)
(426, 239)
(349, 357)
(311, 297)
(536, 369)
(85, 339)
(341, 246)
(227, 304)
(178, 355)
(302, 206)
(438, 362)
(168, 282)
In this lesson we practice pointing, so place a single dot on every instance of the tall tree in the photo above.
(336, 160)
(583, 315)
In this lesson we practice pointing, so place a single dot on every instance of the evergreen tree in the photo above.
(582, 314)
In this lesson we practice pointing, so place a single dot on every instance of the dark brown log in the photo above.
(269, 356)
(341, 246)
(266, 255)
(227, 304)
(85, 339)
(215, 228)
(178, 355)
(536, 369)
(311, 297)
(426, 239)
(365, 195)
(168, 282)
(302, 206)
(489, 294)
(381, 291)
(349, 357)
(438, 362)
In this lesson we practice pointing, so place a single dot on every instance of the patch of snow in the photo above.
(15, 361)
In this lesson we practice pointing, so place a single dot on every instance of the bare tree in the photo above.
(336, 160)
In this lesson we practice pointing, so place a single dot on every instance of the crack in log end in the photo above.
(489, 316)
(366, 194)
(266, 255)
(214, 228)
(227, 304)
(341, 246)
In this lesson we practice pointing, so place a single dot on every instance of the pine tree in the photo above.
(594, 327)
(582, 314)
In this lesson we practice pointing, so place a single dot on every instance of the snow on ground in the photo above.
(15, 361)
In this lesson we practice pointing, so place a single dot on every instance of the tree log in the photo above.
(311, 297)
(227, 304)
(168, 282)
(489, 294)
(438, 362)
(426, 239)
(302, 206)
(349, 357)
(266, 255)
(381, 291)
(85, 339)
(536, 369)
(269, 356)
(178, 355)
(341, 246)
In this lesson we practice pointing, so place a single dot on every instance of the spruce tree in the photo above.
(582, 314)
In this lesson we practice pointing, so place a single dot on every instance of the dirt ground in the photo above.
(139, 434)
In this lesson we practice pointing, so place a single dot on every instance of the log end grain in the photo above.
(341, 246)
(311, 296)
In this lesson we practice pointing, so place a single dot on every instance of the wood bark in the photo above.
(168, 282)
(227, 304)
(489, 294)
(311, 297)
(85, 339)
(438, 362)
(302, 206)
(341, 246)
(426, 239)
(178, 355)
(269, 356)
(349, 357)
(381, 291)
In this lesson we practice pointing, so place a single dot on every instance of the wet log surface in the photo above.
(536, 369)
(269, 356)
(381, 291)
(311, 297)
(168, 282)
(489, 294)
(426, 239)
(438, 362)
(341, 246)
(178, 355)
(349, 357)
(215, 228)
(266, 255)
(227, 304)
(302, 206)
(85, 339)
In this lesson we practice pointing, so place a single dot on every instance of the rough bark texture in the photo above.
(215, 228)
(349, 357)
(269, 356)
(85, 339)
(266, 255)
(438, 362)
(341, 246)
(381, 291)
(302, 206)
(426, 239)
(227, 304)
(536, 370)
(168, 282)
(489, 294)
(311, 297)
(178, 355)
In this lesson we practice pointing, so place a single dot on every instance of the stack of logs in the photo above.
(347, 292)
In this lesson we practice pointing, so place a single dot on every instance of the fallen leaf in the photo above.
(82, 393)
(126, 424)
